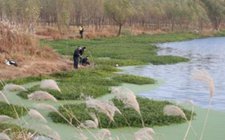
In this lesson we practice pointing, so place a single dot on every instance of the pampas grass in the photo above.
(47, 107)
(127, 97)
(106, 107)
(103, 134)
(144, 134)
(49, 84)
(41, 95)
(90, 123)
(4, 118)
(204, 76)
(36, 115)
(172, 110)
(13, 87)
(3, 98)
(50, 132)
(4, 136)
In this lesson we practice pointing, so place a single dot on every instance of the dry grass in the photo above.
(25, 49)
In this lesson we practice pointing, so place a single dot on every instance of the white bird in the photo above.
(10, 62)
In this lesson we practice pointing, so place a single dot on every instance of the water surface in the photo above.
(208, 54)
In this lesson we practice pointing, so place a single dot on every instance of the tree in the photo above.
(216, 12)
(119, 11)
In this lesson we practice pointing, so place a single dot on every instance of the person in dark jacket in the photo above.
(78, 52)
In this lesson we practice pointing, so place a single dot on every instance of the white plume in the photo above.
(172, 110)
(106, 107)
(5, 118)
(49, 84)
(41, 95)
(127, 97)
(144, 134)
(36, 115)
(13, 87)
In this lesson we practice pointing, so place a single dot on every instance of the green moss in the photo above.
(152, 112)
(12, 110)
(125, 78)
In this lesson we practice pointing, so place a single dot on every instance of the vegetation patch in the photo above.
(152, 112)
(125, 78)
(13, 111)
(124, 51)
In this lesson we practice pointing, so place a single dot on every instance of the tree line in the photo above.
(168, 15)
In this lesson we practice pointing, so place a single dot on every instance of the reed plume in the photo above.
(127, 97)
(106, 107)
(41, 95)
(204, 76)
(50, 132)
(49, 84)
(4, 118)
(13, 87)
(103, 134)
(144, 134)
(46, 107)
(36, 115)
(90, 123)
(172, 110)
(4, 136)
(3, 98)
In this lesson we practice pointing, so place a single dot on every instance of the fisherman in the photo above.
(78, 52)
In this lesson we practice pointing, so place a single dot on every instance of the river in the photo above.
(178, 85)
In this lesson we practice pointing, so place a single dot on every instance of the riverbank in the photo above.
(96, 80)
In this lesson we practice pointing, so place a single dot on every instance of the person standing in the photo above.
(78, 52)
(81, 30)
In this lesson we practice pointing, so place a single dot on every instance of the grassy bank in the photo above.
(126, 50)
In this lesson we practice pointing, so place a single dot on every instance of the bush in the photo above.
(12, 110)
(152, 112)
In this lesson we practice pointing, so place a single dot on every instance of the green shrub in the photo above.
(12, 110)
(152, 112)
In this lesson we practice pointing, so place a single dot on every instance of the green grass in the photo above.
(93, 82)
(125, 78)
(126, 50)
(12, 110)
(152, 112)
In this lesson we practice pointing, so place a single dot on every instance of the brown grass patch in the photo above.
(25, 49)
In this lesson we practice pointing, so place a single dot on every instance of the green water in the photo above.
(214, 130)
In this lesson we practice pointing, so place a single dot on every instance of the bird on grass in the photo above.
(10, 62)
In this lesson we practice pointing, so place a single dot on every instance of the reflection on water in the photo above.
(206, 54)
